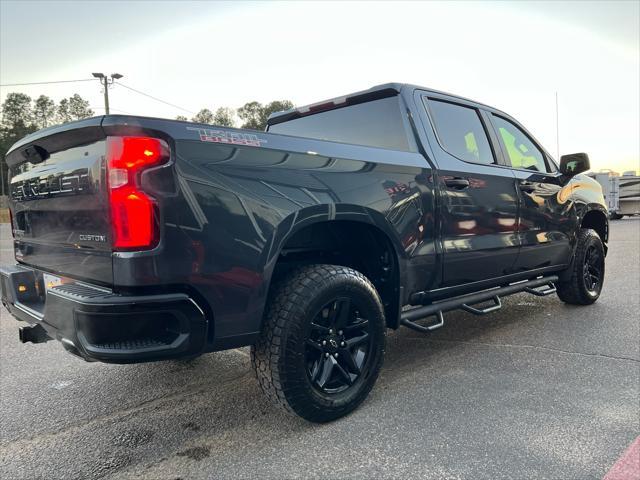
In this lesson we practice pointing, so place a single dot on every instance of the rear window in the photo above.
(379, 123)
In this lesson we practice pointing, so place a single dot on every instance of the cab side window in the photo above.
(461, 132)
(521, 152)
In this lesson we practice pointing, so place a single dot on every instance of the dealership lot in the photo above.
(539, 389)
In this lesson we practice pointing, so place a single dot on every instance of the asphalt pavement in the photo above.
(537, 390)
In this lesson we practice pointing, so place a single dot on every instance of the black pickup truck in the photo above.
(141, 239)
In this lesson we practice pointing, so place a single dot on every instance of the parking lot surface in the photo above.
(537, 390)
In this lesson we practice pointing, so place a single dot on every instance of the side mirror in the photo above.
(574, 164)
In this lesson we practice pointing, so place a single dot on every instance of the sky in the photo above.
(513, 56)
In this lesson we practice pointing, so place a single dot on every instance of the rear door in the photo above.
(547, 215)
(478, 199)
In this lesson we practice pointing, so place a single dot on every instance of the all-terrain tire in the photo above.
(576, 289)
(279, 357)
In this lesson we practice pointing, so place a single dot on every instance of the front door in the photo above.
(478, 199)
(546, 211)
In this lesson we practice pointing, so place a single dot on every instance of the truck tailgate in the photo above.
(59, 202)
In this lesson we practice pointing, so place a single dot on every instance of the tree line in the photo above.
(22, 115)
(252, 115)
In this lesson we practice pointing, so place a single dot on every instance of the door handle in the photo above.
(457, 183)
(527, 187)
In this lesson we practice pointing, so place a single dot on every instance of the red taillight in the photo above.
(133, 212)
(134, 153)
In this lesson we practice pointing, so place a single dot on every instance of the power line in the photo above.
(46, 83)
(154, 98)
(93, 79)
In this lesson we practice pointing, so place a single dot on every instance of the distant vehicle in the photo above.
(141, 239)
(621, 193)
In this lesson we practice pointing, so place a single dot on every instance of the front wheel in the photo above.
(322, 343)
(586, 278)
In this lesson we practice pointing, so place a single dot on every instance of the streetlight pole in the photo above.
(107, 81)
(557, 131)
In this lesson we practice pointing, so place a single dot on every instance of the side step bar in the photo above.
(465, 302)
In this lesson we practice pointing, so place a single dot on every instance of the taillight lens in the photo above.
(133, 212)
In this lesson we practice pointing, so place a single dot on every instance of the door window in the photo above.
(461, 132)
(521, 151)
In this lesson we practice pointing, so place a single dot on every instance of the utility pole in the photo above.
(557, 131)
(107, 81)
(2, 164)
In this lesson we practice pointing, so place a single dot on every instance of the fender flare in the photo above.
(591, 207)
(323, 213)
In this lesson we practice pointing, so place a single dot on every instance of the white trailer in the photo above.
(622, 193)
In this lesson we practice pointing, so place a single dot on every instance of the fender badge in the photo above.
(233, 138)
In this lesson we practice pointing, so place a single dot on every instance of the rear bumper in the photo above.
(97, 324)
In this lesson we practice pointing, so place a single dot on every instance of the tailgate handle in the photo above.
(35, 154)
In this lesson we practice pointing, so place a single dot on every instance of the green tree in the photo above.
(79, 108)
(44, 112)
(17, 121)
(223, 116)
(255, 115)
(16, 111)
(182, 118)
(203, 116)
(251, 115)
(64, 115)
(276, 106)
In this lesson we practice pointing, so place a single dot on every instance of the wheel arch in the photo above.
(595, 217)
(322, 222)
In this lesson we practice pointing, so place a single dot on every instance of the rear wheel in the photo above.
(322, 343)
(587, 272)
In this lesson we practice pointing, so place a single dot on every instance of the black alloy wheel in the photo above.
(593, 269)
(581, 283)
(322, 342)
(337, 349)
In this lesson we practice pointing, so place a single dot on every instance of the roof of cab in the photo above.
(373, 93)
